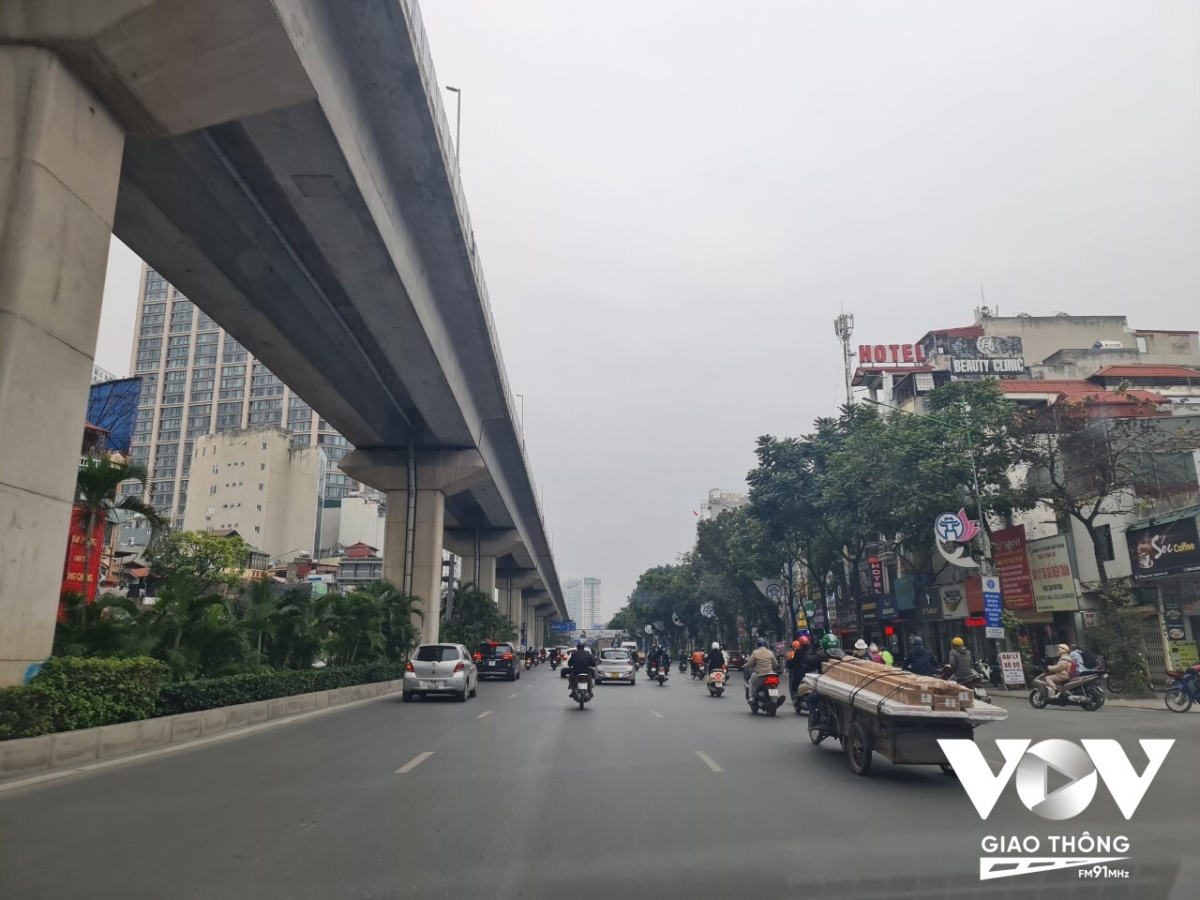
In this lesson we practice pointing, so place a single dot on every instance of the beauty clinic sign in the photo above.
(1010, 554)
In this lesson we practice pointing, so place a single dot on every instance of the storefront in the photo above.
(1165, 558)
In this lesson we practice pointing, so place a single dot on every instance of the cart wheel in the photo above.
(816, 734)
(948, 769)
(858, 749)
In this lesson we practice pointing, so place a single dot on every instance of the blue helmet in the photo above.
(762, 642)
(918, 641)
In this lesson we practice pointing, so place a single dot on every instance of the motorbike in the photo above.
(1083, 691)
(553, 663)
(660, 675)
(682, 666)
(768, 697)
(528, 664)
(800, 702)
(1185, 691)
(697, 672)
(581, 693)
(716, 682)
(975, 682)
(989, 673)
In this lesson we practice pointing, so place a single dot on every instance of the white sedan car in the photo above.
(615, 664)
(440, 669)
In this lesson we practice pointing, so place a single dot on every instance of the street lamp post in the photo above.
(983, 532)
(457, 118)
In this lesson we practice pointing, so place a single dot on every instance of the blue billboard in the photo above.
(113, 406)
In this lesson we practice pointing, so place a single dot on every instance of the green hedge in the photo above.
(73, 692)
(85, 692)
(210, 693)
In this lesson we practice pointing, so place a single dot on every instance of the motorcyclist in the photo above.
(1081, 667)
(920, 661)
(662, 659)
(715, 659)
(553, 657)
(529, 654)
(761, 663)
(580, 662)
(795, 667)
(861, 651)
(960, 661)
(1060, 672)
(698, 660)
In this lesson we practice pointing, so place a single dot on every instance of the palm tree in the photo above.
(95, 492)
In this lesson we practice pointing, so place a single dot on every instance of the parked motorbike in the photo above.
(1083, 691)
(975, 682)
(716, 682)
(768, 697)
(581, 693)
(1185, 691)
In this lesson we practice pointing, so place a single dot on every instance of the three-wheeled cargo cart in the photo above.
(866, 722)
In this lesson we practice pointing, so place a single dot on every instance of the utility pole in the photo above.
(843, 327)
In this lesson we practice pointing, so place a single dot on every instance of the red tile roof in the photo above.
(1147, 372)
(1034, 386)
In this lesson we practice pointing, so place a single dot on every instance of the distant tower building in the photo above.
(720, 501)
(582, 597)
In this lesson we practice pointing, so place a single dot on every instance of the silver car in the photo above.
(440, 669)
(615, 664)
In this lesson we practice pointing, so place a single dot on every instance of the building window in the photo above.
(262, 467)
(213, 489)
(260, 486)
(257, 529)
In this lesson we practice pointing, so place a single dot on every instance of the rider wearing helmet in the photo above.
(920, 661)
(960, 661)
(714, 659)
(795, 667)
(580, 662)
(861, 651)
(759, 664)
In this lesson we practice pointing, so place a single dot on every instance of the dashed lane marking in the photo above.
(708, 761)
(510, 696)
(414, 762)
(656, 714)
(484, 713)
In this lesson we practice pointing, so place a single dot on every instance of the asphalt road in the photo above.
(651, 791)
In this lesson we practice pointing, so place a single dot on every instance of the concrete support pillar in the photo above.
(483, 576)
(60, 163)
(436, 474)
(427, 552)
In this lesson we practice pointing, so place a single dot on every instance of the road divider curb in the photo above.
(53, 756)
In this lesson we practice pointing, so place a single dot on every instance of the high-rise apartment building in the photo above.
(582, 596)
(198, 380)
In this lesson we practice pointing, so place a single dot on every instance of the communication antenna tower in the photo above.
(843, 327)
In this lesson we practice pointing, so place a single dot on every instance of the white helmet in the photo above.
(716, 646)
(860, 644)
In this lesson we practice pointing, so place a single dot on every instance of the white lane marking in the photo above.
(656, 715)
(708, 761)
(510, 696)
(413, 763)
(485, 713)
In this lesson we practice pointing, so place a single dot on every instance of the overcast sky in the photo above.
(673, 200)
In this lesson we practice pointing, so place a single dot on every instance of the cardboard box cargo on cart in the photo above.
(899, 685)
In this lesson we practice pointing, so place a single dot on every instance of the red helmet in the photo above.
(803, 641)
(795, 645)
